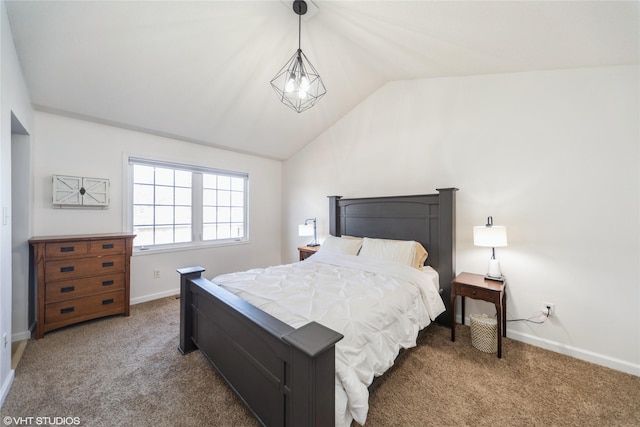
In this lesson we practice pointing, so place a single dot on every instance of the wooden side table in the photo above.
(307, 251)
(477, 287)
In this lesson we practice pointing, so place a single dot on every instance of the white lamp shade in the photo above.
(490, 237)
(305, 230)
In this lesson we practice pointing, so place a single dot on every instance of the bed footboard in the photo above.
(285, 376)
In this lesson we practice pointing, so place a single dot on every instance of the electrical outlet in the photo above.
(156, 274)
(549, 307)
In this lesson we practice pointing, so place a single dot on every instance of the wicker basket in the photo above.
(484, 333)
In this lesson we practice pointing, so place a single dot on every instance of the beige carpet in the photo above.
(128, 372)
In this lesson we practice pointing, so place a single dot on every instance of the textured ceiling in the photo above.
(199, 71)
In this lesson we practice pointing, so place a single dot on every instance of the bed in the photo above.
(286, 375)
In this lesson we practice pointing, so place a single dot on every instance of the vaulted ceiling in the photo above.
(199, 71)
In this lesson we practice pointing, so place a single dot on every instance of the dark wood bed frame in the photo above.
(286, 376)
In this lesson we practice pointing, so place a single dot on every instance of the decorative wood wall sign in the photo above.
(76, 191)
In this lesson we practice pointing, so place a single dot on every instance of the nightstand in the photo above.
(477, 287)
(307, 251)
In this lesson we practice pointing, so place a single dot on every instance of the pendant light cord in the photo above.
(299, 30)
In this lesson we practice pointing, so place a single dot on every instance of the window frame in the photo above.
(196, 204)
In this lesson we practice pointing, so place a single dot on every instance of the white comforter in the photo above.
(378, 306)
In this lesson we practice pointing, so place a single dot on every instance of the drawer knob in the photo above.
(67, 310)
(67, 269)
(67, 249)
(107, 246)
(474, 292)
(107, 301)
(107, 282)
(107, 264)
(68, 289)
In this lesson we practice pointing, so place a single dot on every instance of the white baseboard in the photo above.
(4, 391)
(578, 353)
(158, 295)
(21, 336)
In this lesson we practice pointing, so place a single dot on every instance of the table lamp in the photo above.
(491, 236)
(309, 230)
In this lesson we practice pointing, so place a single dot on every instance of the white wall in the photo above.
(553, 156)
(69, 146)
(14, 99)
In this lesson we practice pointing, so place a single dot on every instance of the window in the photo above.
(184, 205)
(222, 207)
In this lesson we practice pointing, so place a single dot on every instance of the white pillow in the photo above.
(406, 252)
(347, 246)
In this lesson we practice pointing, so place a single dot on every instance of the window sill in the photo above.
(187, 247)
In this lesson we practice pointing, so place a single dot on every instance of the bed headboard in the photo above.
(429, 219)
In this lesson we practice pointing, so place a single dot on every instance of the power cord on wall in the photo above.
(541, 319)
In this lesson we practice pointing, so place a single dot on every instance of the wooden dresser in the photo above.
(80, 278)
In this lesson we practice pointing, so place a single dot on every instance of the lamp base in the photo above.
(311, 245)
(494, 272)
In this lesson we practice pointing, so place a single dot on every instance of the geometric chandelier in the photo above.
(298, 84)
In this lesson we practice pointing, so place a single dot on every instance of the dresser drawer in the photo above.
(75, 288)
(107, 247)
(66, 249)
(72, 268)
(474, 292)
(85, 308)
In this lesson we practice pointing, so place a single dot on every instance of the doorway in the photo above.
(23, 304)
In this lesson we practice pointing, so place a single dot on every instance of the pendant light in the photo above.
(298, 84)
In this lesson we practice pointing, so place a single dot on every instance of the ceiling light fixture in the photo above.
(298, 84)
